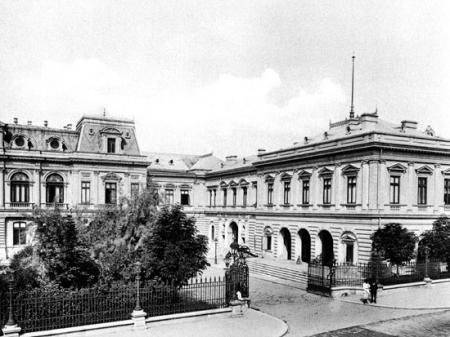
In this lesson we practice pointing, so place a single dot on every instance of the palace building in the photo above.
(89, 167)
(320, 198)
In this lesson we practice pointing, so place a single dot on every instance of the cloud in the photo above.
(230, 115)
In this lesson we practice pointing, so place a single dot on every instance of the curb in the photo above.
(283, 331)
(394, 306)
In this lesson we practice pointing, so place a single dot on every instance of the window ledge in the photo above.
(269, 205)
(304, 205)
(423, 206)
(286, 205)
(326, 205)
(350, 205)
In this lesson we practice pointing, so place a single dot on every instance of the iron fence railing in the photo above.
(323, 278)
(46, 309)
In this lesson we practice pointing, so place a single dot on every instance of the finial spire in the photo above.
(352, 108)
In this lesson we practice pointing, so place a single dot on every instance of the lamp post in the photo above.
(138, 269)
(427, 253)
(10, 279)
(215, 251)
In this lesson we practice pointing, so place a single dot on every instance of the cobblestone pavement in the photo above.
(308, 314)
(429, 325)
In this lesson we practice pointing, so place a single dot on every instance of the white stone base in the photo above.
(11, 330)
(138, 318)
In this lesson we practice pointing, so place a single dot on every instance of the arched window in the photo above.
(348, 240)
(55, 189)
(213, 233)
(267, 241)
(20, 189)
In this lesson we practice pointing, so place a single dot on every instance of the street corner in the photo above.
(257, 323)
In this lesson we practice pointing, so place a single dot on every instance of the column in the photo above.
(337, 188)
(373, 184)
(438, 190)
(95, 198)
(411, 193)
(2, 192)
(315, 188)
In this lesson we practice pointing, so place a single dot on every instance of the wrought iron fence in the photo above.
(46, 309)
(323, 278)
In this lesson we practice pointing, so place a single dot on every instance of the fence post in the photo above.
(427, 277)
(138, 315)
(11, 329)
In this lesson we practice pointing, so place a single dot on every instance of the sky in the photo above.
(227, 77)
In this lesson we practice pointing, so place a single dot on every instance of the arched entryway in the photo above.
(233, 232)
(285, 244)
(327, 247)
(305, 245)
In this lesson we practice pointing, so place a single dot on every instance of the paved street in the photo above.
(308, 314)
(430, 325)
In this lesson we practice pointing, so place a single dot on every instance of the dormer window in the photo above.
(111, 145)
(19, 141)
(54, 144)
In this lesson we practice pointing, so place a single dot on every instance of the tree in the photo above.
(174, 252)
(394, 242)
(116, 234)
(65, 260)
(437, 240)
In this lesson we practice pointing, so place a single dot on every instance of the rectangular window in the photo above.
(287, 190)
(214, 197)
(244, 196)
(256, 194)
(210, 198)
(19, 233)
(269, 193)
(268, 243)
(111, 142)
(351, 190)
(234, 196)
(422, 191)
(447, 191)
(169, 196)
(327, 190)
(225, 197)
(111, 193)
(395, 190)
(305, 192)
(349, 253)
(134, 190)
(85, 192)
(184, 197)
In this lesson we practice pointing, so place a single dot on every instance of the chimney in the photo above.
(69, 126)
(16, 120)
(409, 125)
(30, 123)
(46, 124)
(261, 151)
(230, 158)
(368, 119)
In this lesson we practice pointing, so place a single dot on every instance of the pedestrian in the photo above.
(366, 291)
(373, 290)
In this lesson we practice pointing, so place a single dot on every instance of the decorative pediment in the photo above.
(185, 187)
(111, 176)
(446, 172)
(223, 184)
(397, 168)
(170, 186)
(285, 176)
(424, 170)
(110, 131)
(269, 178)
(268, 231)
(233, 183)
(243, 182)
(325, 172)
(348, 237)
(304, 174)
(350, 169)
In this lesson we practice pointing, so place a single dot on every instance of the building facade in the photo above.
(91, 166)
(321, 198)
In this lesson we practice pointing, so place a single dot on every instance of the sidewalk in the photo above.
(252, 324)
(435, 296)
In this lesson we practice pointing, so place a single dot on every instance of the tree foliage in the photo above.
(437, 240)
(394, 242)
(116, 234)
(64, 259)
(174, 252)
